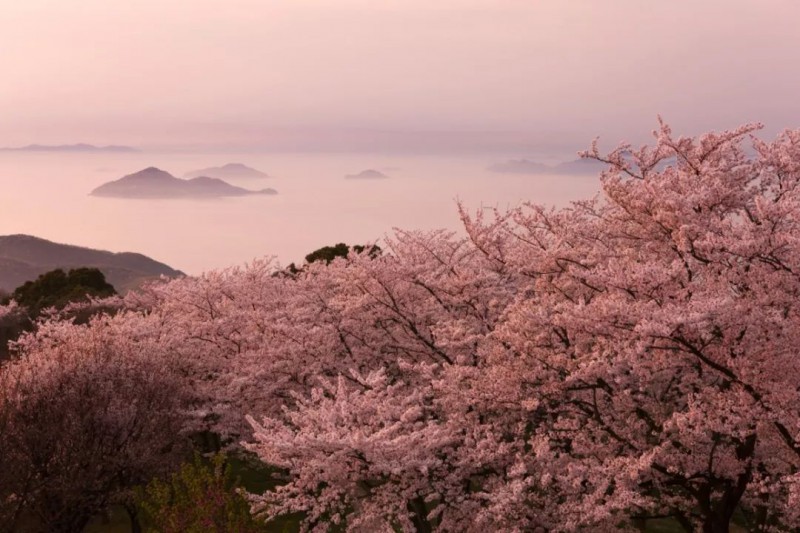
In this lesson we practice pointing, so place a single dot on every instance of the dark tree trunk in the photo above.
(133, 515)
(718, 519)
(716, 526)
(419, 515)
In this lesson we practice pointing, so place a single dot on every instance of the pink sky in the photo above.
(172, 72)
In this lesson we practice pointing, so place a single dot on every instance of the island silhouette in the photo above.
(227, 171)
(80, 147)
(154, 183)
(369, 174)
(573, 168)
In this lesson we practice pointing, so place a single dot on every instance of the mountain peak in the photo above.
(152, 171)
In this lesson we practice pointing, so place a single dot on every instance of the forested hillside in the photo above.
(24, 257)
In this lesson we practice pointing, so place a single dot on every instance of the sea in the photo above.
(46, 194)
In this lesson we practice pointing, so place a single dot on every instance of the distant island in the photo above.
(24, 257)
(230, 170)
(368, 174)
(80, 147)
(155, 183)
(526, 166)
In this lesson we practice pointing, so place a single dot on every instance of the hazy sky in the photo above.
(330, 72)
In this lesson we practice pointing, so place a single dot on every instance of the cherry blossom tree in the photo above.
(629, 357)
(367, 328)
(381, 440)
(659, 340)
(13, 322)
(642, 361)
(86, 414)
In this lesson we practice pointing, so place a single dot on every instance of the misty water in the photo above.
(47, 195)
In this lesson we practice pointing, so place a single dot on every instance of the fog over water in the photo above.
(304, 83)
(47, 195)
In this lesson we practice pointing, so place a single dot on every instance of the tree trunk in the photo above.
(639, 523)
(717, 525)
(718, 520)
(419, 515)
(133, 515)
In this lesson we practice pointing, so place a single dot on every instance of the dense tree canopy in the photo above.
(198, 498)
(58, 288)
(329, 253)
(326, 254)
(84, 420)
(55, 289)
(628, 357)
